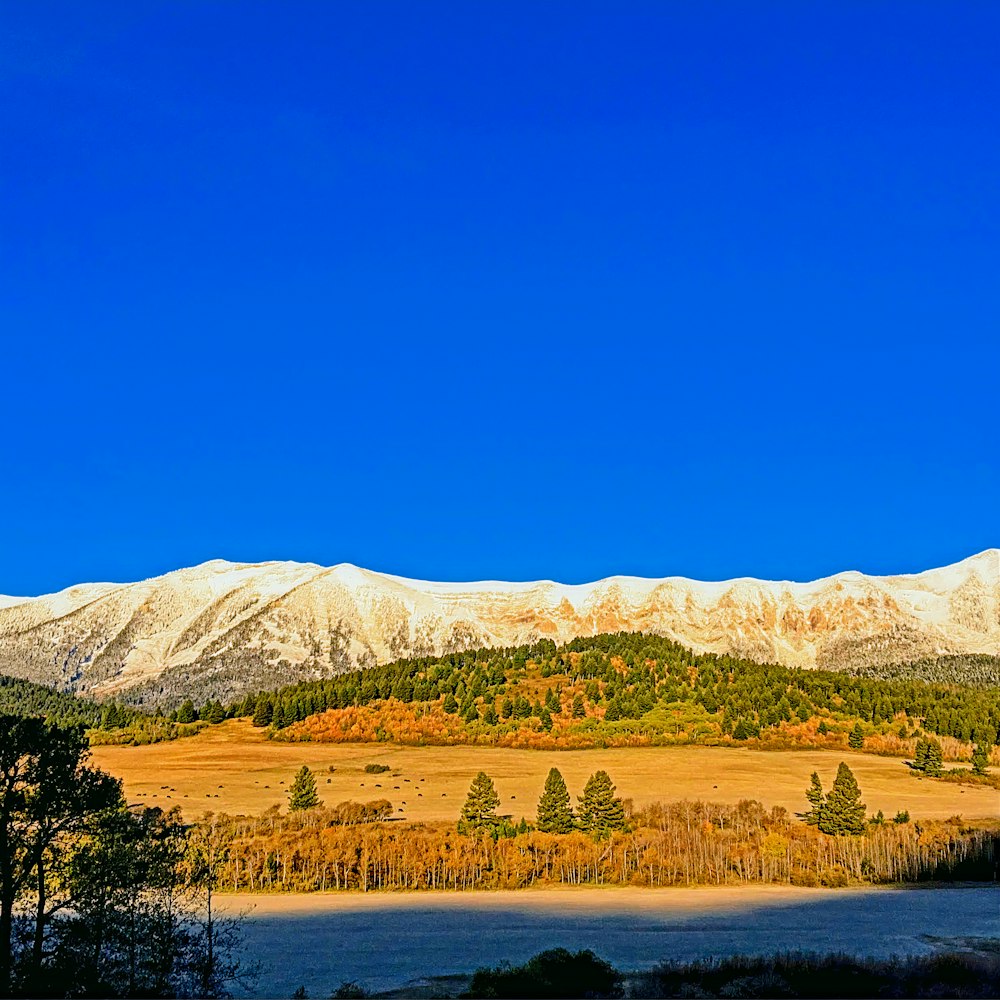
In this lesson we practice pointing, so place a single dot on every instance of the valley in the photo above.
(234, 768)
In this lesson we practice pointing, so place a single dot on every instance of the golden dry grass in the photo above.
(233, 768)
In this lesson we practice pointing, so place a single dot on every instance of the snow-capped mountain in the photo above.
(223, 628)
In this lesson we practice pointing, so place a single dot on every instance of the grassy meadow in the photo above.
(234, 768)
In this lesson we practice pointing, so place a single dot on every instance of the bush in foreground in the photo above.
(821, 976)
(556, 973)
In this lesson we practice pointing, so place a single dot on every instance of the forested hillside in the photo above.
(107, 722)
(624, 689)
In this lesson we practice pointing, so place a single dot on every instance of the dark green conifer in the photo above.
(186, 712)
(302, 794)
(843, 812)
(816, 798)
(555, 814)
(600, 812)
(579, 711)
(980, 758)
(933, 762)
(480, 806)
(856, 739)
(264, 711)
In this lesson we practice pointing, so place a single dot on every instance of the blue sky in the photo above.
(498, 290)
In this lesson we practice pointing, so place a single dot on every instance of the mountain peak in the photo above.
(223, 627)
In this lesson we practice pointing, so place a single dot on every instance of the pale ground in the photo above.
(232, 768)
(388, 940)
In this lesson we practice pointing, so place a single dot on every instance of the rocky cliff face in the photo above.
(223, 628)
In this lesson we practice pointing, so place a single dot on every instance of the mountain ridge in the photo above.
(220, 628)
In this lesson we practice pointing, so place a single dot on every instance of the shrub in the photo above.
(552, 974)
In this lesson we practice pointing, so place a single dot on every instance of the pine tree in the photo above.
(186, 712)
(264, 712)
(920, 755)
(213, 713)
(816, 798)
(450, 703)
(823, 728)
(302, 794)
(843, 811)
(578, 708)
(555, 814)
(600, 812)
(481, 803)
(980, 758)
(490, 715)
(934, 759)
(856, 739)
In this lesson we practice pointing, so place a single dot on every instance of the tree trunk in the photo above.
(39, 936)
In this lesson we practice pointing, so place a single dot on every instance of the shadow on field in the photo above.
(386, 942)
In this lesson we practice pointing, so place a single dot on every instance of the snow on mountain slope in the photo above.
(222, 628)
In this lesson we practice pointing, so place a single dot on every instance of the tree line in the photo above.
(678, 843)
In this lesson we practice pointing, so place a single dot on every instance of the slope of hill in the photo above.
(221, 629)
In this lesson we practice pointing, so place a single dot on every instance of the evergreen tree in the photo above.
(481, 803)
(450, 703)
(264, 711)
(816, 799)
(741, 731)
(213, 713)
(920, 755)
(934, 760)
(302, 794)
(555, 814)
(600, 812)
(490, 715)
(186, 712)
(843, 811)
(980, 758)
(546, 720)
(856, 739)
(822, 728)
(578, 708)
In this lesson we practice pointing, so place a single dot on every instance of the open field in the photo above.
(233, 768)
(386, 941)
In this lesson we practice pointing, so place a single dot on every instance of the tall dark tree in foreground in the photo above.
(600, 811)
(106, 903)
(302, 794)
(843, 811)
(555, 814)
(49, 800)
(479, 810)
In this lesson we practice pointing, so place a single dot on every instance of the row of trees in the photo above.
(678, 843)
(600, 811)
